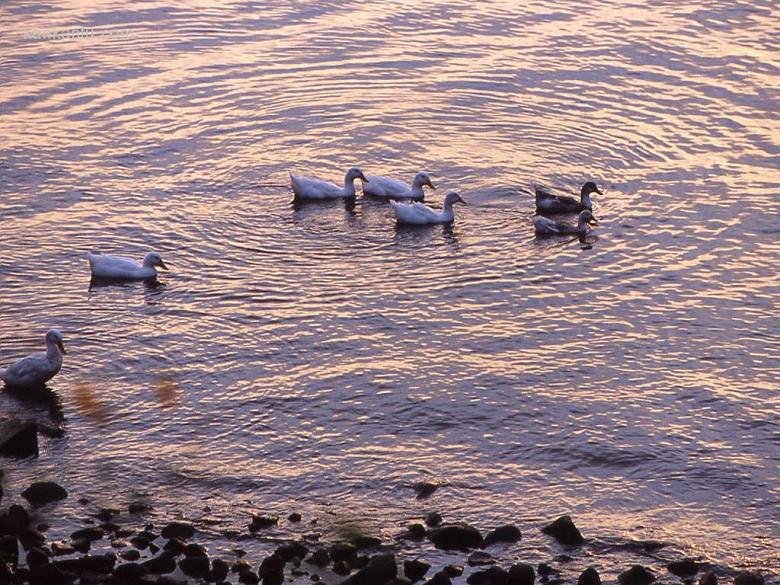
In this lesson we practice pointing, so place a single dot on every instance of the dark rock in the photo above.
(30, 537)
(107, 514)
(44, 492)
(48, 574)
(240, 565)
(440, 578)
(138, 508)
(708, 578)
(433, 520)
(175, 546)
(749, 578)
(425, 489)
(88, 533)
(320, 558)
(564, 531)
(62, 548)
(399, 581)
(130, 572)
(195, 550)
(453, 570)
(196, 567)
(379, 570)
(507, 533)
(544, 569)
(636, 575)
(140, 542)
(249, 577)
(294, 517)
(415, 570)
(292, 550)
(479, 558)
(491, 576)
(131, 555)
(219, 571)
(162, 564)
(36, 557)
(361, 542)
(82, 545)
(343, 552)
(458, 536)
(521, 574)
(416, 531)
(683, 567)
(15, 520)
(183, 530)
(341, 568)
(96, 564)
(271, 570)
(259, 522)
(9, 550)
(589, 576)
(18, 439)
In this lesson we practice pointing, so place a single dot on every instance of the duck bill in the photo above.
(593, 221)
(430, 184)
(462, 201)
(162, 265)
(62, 347)
(598, 191)
(363, 178)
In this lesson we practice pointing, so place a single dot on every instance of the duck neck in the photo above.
(582, 226)
(52, 351)
(349, 187)
(585, 200)
(417, 191)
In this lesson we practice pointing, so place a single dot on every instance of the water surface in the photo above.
(320, 359)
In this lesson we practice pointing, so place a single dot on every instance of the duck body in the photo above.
(418, 214)
(549, 204)
(312, 189)
(545, 226)
(38, 368)
(387, 187)
(121, 268)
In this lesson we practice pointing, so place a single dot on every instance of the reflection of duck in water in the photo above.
(549, 204)
(544, 226)
(37, 369)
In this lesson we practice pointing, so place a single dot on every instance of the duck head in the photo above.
(355, 173)
(153, 259)
(421, 179)
(55, 338)
(453, 198)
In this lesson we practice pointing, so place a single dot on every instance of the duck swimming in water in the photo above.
(418, 214)
(544, 226)
(306, 188)
(38, 368)
(393, 189)
(549, 204)
(120, 268)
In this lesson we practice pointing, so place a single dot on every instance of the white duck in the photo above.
(387, 187)
(418, 214)
(305, 188)
(118, 267)
(38, 368)
(544, 226)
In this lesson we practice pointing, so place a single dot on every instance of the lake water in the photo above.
(318, 358)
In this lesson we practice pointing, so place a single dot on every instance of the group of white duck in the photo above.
(405, 200)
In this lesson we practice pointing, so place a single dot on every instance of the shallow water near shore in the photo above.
(318, 358)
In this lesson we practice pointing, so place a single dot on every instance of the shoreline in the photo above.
(118, 545)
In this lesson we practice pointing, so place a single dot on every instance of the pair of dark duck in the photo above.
(549, 204)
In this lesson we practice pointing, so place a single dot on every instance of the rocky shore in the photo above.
(110, 550)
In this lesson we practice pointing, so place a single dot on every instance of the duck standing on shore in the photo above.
(544, 226)
(120, 268)
(306, 188)
(38, 368)
(418, 214)
(549, 204)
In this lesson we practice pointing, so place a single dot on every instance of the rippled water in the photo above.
(322, 360)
